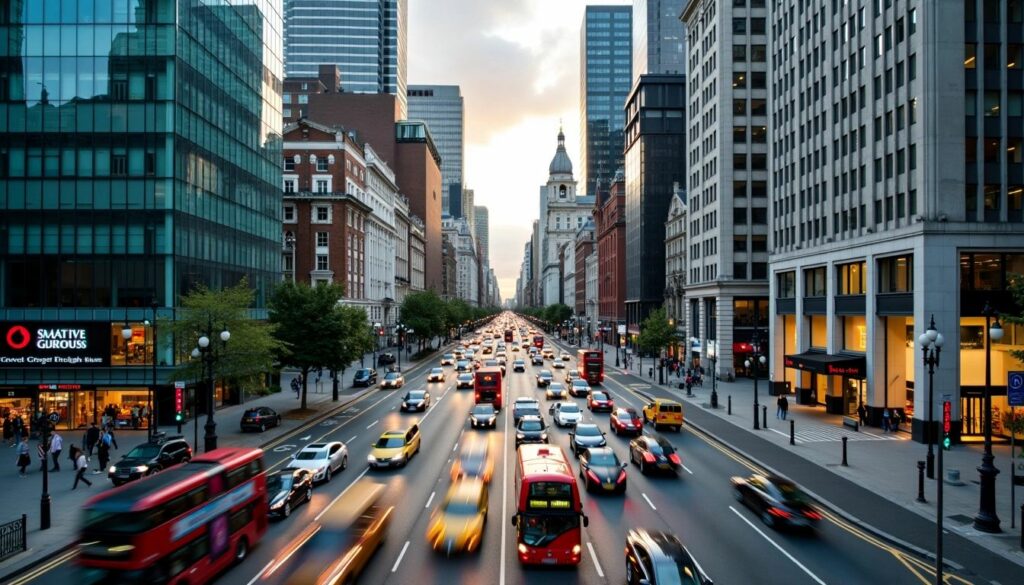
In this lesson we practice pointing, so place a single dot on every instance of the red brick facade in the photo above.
(610, 231)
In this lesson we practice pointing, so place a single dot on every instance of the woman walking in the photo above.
(81, 464)
(24, 460)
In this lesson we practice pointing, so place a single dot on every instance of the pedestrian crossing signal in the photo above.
(179, 404)
(947, 423)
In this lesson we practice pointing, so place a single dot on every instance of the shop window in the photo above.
(987, 269)
(896, 275)
(852, 279)
(814, 282)
(137, 350)
(855, 333)
(785, 285)
(819, 332)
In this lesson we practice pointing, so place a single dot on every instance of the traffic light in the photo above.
(947, 423)
(179, 404)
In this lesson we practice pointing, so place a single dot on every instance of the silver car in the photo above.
(323, 459)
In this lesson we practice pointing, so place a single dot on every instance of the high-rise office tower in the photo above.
(441, 107)
(365, 38)
(659, 40)
(483, 231)
(606, 57)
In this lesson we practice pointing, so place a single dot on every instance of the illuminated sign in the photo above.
(62, 387)
(54, 344)
(553, 504)
(843, 370)
(947, 423)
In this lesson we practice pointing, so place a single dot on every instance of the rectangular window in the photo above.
(321, 164)
(289, 213)
(785, 285)
(814, 282)
(739, 53)
(852, 278)
(321, 262)
(819, 332)
(321, 239)
(739, 80)
(321, 185)
(323, 213)
(896, 274)
(289, 163)
(855, 333)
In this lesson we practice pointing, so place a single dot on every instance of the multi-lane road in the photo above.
(727, 539)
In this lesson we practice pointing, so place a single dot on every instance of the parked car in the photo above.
(149, 458)
(322, 459)
(287, 489)
(260, 419)
(365, 377)
(778, 501)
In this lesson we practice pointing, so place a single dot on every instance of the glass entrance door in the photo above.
(973, 409)
(853, 389)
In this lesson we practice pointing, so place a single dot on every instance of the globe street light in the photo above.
(751, 365)
(986, 520)
(206, 351)
(713, 356)
(931, 346)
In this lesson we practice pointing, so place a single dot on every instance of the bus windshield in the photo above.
(541, 530)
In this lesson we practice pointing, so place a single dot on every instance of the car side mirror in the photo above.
(644, 582)
(586, 521)
(623, 465)
(515, 520)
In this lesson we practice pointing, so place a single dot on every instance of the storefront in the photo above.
(837, 381)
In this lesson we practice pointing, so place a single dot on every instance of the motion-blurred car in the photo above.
(463, 366)
(570, 375)
(659, 558)
(448, 359)
(519, 366)
(661, 412)
(544, 378)
(579, 388)
(524, 406)
(600, 402)
(601, 470)
(531, 429)
(464, 380)
(457, 524)
(287, 489)
(653, 453)
(566, 414)
(322, 459)
(474, 460)
(435, 375)
(415, 401)
(483, 416)
(565, 357)
(395, 448)
(260, 419)
(625, 421)
(558, 365)
(392, 380)
(385, 359)
(365, 377)
(536, 360)
(585, 436)
(556, 391)
(778, 501)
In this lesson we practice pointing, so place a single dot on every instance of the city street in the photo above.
(728, 540)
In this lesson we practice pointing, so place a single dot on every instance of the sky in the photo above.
(517, 62)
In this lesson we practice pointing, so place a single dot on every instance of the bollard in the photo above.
(845, 464)
(764, 417)
(792, 432)
(920, 482)
(730, 404)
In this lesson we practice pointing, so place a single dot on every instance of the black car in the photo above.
(602, 471)
(483, 416)
(585, 436)
(288, 488)
(519, 366)
(365, 377)
(149, 458)
(524, 407)
(385, 359)
(416, 400)
(653, 453)
(659, 558)
(531, 429)
(544, 378)
(260, 419)
(778, 501)
(537, 360)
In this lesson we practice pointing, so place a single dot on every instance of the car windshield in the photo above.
(143, 452)
(579, 383)
(604, 458)
(310, 455)
(251, 413)
(570, 408)
(448, 356)
(416, 395)
(465, 377)
(531, 425)
(279, 483)
(660, 448)
(678, 569)
(791, 493)
(461, 507)
(555, 386)
(392, 376)
(390, 442)
(362, 373)
(587, 430)
(436, 370)
(519, 363)
(600, 396)
(483, 409)
(545, 374)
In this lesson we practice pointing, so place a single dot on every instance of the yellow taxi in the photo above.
(664, 413)
(458, 523)
(395, 448)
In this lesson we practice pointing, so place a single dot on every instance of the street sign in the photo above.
(54, 417)
(1015, 389)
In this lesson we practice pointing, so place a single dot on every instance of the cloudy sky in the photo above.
(517, 62)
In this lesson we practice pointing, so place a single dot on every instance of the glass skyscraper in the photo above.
(441, 107)
(365, 38)
(606, 57)
(658, 37)
(140, 155)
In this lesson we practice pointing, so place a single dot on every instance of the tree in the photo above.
(425, 313)
(557, 313)
(456, 313)
(356, 340)
(309, 326)
(244, 358)
(655, 334)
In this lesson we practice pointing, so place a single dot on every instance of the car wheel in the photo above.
(344, 462)
(287, 509)
(629, 574)
(768, 519)
(738, 495)
(327, 475)
(309, 494)
(263, 427)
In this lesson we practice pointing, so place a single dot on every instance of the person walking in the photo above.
(778, 407)
(784, 405)
(81, 464)
(43, 451)
(18, 426)
(885, 420)
(92, 436)
(105, 443)
(56, 446)
(8, 431)
(862, 413)
(135, 417)
(24, 460)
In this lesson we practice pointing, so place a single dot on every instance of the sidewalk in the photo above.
(882, 463)
(65, 503)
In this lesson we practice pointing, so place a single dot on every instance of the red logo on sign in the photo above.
(18, 337)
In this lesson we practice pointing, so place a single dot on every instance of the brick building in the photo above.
(610, 231)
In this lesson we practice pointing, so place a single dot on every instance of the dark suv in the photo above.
(365, 377)
(385, 359)
(149, 458)
(655, 557)
(259, 419)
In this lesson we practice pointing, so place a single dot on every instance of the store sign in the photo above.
(54, 344)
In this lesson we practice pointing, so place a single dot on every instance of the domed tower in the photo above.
(561, 185)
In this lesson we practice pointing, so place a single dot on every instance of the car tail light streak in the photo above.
(593, 477)
(778, 513)
(674, 458)
(812, 514)
(649, 458)
(622, 476)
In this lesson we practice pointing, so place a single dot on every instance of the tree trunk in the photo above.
(305, 379)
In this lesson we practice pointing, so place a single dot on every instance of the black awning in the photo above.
(832, 365)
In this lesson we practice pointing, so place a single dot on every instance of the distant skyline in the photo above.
(517, 62)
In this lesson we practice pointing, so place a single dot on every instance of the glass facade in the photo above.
(366, 39)
(605, 79)
(441, 107)
(658, 39)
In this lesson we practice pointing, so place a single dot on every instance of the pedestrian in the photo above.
(650, 373)
(92, 436)
(295, 386)
(81, 464)
(784, 404)
(24, 460)
(885, 420)
(778, 407)
(42, 450)
(895, 419)
(103, 451)
(56, 446)
(135, 417)
(862, 413)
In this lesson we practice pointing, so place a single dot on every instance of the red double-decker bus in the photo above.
(538, 341)
(487, 386)
(181, 526)
(550, 514)
(508, 336)
(590, 365)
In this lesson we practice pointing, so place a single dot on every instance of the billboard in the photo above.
(54, 344)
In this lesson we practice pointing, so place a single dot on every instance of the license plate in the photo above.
(549, 561)
(609, 486)
(123, 474)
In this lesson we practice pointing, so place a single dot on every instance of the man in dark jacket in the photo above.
(92, 436)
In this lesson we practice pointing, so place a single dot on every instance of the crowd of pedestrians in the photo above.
(100, 440)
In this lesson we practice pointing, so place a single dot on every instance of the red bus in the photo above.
(508, 336)
(590, 365)
(550, 514)
(487, 386)
(538, 341)
(181, 526)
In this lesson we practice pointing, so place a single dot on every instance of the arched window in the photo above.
(561, 191)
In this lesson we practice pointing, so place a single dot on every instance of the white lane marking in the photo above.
(338, 497)
(780, 549)
(649, 502)
(354, 437)
(687, 469)
(400, 555)
(779, 432)
(597, 565)
(373, 423)
(504, 499)
(306, 438)
(455, 447)
(430, 499)
(260, 574)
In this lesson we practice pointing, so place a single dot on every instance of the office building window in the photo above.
(852, 278)
(815, 282)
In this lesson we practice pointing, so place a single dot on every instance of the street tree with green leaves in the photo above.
(245, 358)
(425, 313)
(356, 341)
(655, 334)
(557, 313)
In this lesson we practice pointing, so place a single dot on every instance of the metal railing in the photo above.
(13, 537)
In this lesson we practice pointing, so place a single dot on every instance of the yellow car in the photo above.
(661, 412)
(458, 523)
(395, 448)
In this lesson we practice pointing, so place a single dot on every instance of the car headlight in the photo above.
(491, 419)
(113, 469)
(404, 405)
(399, 457)
(520, 435)
(141, 468)
(544, 436)
(277, 505)
(371, 459)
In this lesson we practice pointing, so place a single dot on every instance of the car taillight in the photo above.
(593, 477)
(674, 458)
(622, 476)
(778, 513)
(812, 514)
(637, 423)
(648, 457)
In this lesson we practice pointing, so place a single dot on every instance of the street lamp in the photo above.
(931, 346)
(713, 356)
(153, 418)
(377, 333)
(205, 349)
(752, 365)
(400, 330)
(986, 520)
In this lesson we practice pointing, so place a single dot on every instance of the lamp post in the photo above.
(205, 349)
(986, 520)
(400, 330)
(713, 356)
(153, 418)
(752, 365)
(377, 333)
(931, 346)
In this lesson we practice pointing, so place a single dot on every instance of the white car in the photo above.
(323, 459)
(435, 375)
(566, 414)
(565, 357)
(448, 359)
(558, 365)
